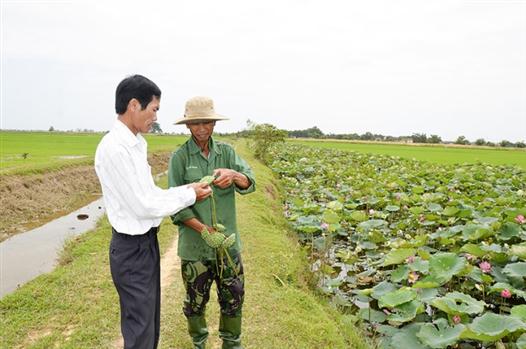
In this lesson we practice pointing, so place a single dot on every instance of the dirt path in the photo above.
(170, 277)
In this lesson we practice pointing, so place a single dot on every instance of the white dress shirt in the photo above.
(134, 204)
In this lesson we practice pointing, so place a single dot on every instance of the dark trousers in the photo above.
(135, 270)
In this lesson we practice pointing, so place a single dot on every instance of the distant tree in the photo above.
(480, 141)
(490, 144)
(156, 128)
(520, 144)
(506, 144)
(313, 132)
(51, 129)
(419, 138)
(462, 140)
(434, 139)
(367, 136)
(264, 136)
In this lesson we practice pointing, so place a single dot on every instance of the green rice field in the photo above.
(433, 153)
(22, 152)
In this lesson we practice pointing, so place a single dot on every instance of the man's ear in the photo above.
(134, 105)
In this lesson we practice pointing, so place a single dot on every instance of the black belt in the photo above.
(140, 237)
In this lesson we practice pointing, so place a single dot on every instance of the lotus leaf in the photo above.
(394, 298)
(458, 303)
(439, 337)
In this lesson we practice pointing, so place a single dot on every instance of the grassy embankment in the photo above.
(442, 154)
(76, 305)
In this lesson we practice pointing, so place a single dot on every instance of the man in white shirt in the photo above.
(135, 207)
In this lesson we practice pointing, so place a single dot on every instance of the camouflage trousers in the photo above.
(198, 277)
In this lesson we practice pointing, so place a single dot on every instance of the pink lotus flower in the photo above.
(485, 267)
(324, 226)
(456, 319)
(371, 211)
(410, 259)
(520, 219)
(505, 293)
(470, 257)
(412, 277)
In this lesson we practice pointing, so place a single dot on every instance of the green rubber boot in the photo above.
(198, 330)
(230, 331)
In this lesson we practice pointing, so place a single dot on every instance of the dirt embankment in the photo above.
(28, 201)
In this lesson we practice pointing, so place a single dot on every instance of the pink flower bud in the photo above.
(470, 257)
(520, 219)
(505, 293)
(456, 319)
(324, 226)
(410, 259)
(485, 267)
(371, 211)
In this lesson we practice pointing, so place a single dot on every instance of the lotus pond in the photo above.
(426, 255)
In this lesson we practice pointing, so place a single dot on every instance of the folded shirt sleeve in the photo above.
(241, 166)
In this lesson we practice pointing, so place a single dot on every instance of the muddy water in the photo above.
(27, 255)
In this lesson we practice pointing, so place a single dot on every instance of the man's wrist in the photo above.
(238, 177)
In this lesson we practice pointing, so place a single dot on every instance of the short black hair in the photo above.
(138, 87)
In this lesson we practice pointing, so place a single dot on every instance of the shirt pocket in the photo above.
(192, 175)
(223, 192)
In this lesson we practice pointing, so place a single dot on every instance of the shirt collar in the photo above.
(212, 145)
(124, 133)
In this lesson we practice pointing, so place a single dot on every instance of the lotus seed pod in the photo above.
(207, 179)
(213, 240)
(229, 241)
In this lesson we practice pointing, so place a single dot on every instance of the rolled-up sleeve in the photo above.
(241, 166)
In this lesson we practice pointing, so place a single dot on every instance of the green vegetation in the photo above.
(76, 305)
(264, 136)
(433, 153)
(429, 255)
(23, 152)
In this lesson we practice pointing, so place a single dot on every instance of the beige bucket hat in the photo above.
(199, 109)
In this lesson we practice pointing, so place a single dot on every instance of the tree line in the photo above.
(315, 132)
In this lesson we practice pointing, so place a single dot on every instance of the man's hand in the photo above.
(202, 190)
(225, 177)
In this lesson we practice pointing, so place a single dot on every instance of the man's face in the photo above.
(201, 131)
(143, 119)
